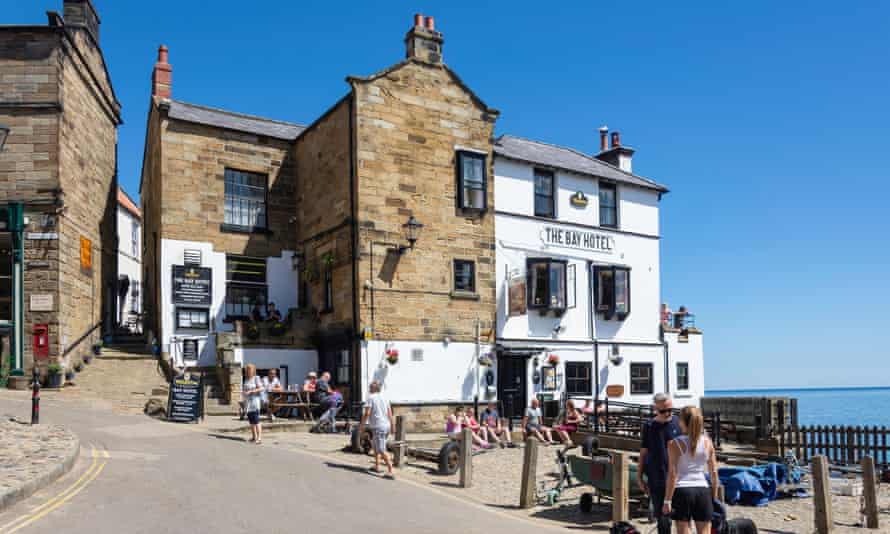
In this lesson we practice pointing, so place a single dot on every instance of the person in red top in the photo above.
(472, 424)
(309, 384)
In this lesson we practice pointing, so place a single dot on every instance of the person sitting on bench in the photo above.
(531, 424)
(491, 421)
(454, 424)
(571, 420)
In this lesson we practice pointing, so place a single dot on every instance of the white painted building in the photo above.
(128, 304)
(577, 240)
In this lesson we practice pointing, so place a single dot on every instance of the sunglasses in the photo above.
(664, 412)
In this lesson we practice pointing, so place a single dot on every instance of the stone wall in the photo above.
(192, 186)
(410, 121)
(88, 177)
(324, 214)
(151, 202)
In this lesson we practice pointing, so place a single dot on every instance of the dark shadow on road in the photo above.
(354, 469)
(446, 484)
(229, 438)
(771, 531)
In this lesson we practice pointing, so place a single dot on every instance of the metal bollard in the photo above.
(35, 398)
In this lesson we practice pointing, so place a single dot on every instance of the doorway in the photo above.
(512, 384)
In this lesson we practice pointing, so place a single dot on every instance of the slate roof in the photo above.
(234, 121)
(567, 159)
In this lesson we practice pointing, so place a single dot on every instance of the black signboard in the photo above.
(192, 285)
(186, 401)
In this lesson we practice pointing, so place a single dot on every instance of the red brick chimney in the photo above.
(615, 154)
(162, 75)
(604, 138)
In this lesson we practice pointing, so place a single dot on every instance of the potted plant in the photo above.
(485, 360)
(328, 259)
(553, 359)
(54, 375)
(392, 356)
(97, 348)
(252, 331)
(277, 329)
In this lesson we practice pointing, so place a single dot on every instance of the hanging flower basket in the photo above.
(277, 329)
(553, 359)
(392, 356)
(252, 331)
(485, 360)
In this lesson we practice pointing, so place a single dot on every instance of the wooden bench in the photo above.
(281, 399)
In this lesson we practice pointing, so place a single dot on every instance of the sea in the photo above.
(828, 406)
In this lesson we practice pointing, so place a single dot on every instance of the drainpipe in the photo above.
(476, 399)
(592, 325)
(667, 364)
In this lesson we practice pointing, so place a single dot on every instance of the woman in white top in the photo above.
(252, 390)
(688, 497)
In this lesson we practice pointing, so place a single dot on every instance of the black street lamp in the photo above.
(412, 232)
(4, 133)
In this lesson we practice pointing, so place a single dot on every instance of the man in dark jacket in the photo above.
(654, 456)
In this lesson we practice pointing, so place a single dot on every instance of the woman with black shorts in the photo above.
(688, 496)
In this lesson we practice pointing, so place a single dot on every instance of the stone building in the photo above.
(59, 167)
(373, 225)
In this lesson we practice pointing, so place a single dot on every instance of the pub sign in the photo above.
(192, 285)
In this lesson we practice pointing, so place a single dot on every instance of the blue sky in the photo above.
(769, 122)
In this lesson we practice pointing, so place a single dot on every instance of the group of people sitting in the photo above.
(271, 313)
(256, 398)
(492, 431)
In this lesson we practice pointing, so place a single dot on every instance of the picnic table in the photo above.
(297, 400)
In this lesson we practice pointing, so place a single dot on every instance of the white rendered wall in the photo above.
(298, 362)
(691, 352)
(446, 374)
(129, 264)
(281, 279)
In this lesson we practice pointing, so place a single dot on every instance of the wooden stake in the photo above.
(870, 490)
(529, 474)
(620, 486)
(822, 490)
(399, 453)
(466, 458)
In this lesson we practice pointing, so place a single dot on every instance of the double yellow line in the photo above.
(99, 459)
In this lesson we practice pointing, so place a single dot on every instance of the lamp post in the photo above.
(412, 232)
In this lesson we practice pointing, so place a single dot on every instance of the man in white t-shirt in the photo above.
(270, 383)
(378, 417)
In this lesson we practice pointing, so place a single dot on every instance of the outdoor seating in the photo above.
(300, 401)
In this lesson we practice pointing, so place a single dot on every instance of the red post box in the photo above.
(41, 341)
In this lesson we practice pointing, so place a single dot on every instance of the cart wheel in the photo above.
(449, 458)
(361, 445)
(590, 445)
(586, 503)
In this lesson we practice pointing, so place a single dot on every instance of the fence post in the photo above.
(851, 446)
(466, 458)
(620, 489)
(822, 490)
(401, 448)
(529, 474)
(870, 492)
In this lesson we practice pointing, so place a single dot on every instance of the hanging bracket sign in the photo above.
(192, 285)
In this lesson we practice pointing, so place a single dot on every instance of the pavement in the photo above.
(33, 457)
(135, 474)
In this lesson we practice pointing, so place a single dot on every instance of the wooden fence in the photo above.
(843, 445)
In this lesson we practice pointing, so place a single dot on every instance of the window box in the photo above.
(612, 291)
(547, 285)
(641, 381)
(472, 181)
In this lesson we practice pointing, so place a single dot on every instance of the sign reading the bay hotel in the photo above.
(192, 285)
(577, 239)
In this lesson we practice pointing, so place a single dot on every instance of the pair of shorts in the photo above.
(253, 418)
(529, 429)
(567, 428)
(379, 440)
(692, 504)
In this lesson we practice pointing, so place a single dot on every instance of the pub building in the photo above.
(579, 313)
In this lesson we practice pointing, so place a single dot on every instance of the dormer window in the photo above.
(472, 182)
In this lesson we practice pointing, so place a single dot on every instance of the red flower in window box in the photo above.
(392, 356)
(553, 359)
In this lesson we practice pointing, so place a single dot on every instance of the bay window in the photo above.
(612, 291)
(547, 284)
(472, 182)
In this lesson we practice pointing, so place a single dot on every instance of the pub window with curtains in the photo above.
(245, 201)
(245, 286)
(612, 291)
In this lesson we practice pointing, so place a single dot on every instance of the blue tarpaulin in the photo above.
(755, 486)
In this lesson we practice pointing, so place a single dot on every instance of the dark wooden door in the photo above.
(512, 385)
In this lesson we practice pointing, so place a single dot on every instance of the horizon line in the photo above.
(770, 388)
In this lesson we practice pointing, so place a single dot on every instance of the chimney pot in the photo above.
(604, 141)
(163, 54)
(162, 75)
(431, 24)
(418, 20)
(616, 139)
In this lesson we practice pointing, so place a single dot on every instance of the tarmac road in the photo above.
(136, 475)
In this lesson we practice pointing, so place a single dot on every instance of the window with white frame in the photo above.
(682, 376)
(245, 200)
(134, 238)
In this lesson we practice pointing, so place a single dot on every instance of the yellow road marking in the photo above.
(85, 479)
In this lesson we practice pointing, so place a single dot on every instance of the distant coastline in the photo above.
(794, 388)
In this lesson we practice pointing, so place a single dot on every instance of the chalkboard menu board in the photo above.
(186, 401)
(192, 285)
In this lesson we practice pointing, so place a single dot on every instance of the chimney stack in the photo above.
(162, 76)
(82, 14)
(423, 42)
(616, 155)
